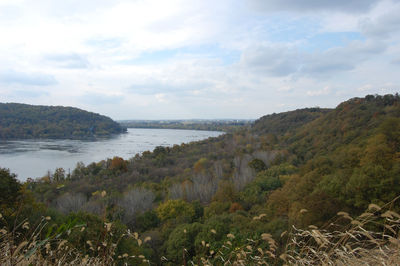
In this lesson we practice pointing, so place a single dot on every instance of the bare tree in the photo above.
(95, 206)
(218, 170)
(135, 201)
(67, 202)
(243, 173)
(177, 191)
(201, 187)
(204, 187)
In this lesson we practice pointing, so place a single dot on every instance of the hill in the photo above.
(286, 122)
(245, 195)
(23, 121)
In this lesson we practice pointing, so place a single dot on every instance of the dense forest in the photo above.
(267, 193)
(23, 121)
(226, 125)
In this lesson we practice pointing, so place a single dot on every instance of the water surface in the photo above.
(34, 158)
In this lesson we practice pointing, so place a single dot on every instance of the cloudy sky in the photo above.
(197, 59)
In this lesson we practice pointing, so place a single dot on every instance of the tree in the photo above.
(200, 165)
(135, 201)
(118, 163)
(243, 174)
(258, 165)
(9, 188)
(180, 246)
(70, 202)
(175, 209)
(59, 174)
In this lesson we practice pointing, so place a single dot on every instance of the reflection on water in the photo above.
(33, 158)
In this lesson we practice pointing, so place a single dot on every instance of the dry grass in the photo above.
(369, 239)
(248, 254)
(26, 246)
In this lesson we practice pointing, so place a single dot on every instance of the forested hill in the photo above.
(286, 122)
(23, 121)
(224, 199)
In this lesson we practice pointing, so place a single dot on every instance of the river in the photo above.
(35, 158)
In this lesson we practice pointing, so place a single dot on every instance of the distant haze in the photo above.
(184, 59)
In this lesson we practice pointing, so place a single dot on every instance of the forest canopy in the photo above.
(23, 121)
(238, 196)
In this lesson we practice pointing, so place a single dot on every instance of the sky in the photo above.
(182, 59)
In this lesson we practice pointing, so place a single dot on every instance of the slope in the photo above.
(23, 121)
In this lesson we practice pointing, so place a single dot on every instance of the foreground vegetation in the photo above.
(310, 186)
(371, 238)
(23, 121)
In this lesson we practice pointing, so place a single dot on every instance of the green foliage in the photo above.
(287, 122)
(216, 208)
(180, 245)
(22, 121)
(226, 192)
(348, 158)
(146, 221)
(266, 181)
(59, 174)
(258, 165)
(326, 161)
(175, 209)
(9, 188)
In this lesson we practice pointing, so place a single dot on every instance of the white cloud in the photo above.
(72, 61)
(350, 6)
(22, 78)
(280, 60)
(365, 88)
(156, 59)
(383, 25)
(161, 97)
(324, 91)
(270, 60)
(342, 58)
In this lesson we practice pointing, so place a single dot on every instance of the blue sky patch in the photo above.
(327, 40)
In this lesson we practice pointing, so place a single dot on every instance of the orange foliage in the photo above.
(235, 207)
(118, 163)
(200, 165)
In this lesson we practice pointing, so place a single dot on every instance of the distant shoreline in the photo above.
(205, 125)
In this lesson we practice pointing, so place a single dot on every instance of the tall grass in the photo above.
(26, 245)
(36, 245)
(372, 238)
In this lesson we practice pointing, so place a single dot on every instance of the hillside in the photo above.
(23, 121)
(286, 122)
(243, 192)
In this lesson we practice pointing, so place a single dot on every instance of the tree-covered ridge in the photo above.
(207, 199)
(286, 122)
(23, 121)
(347, 159)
